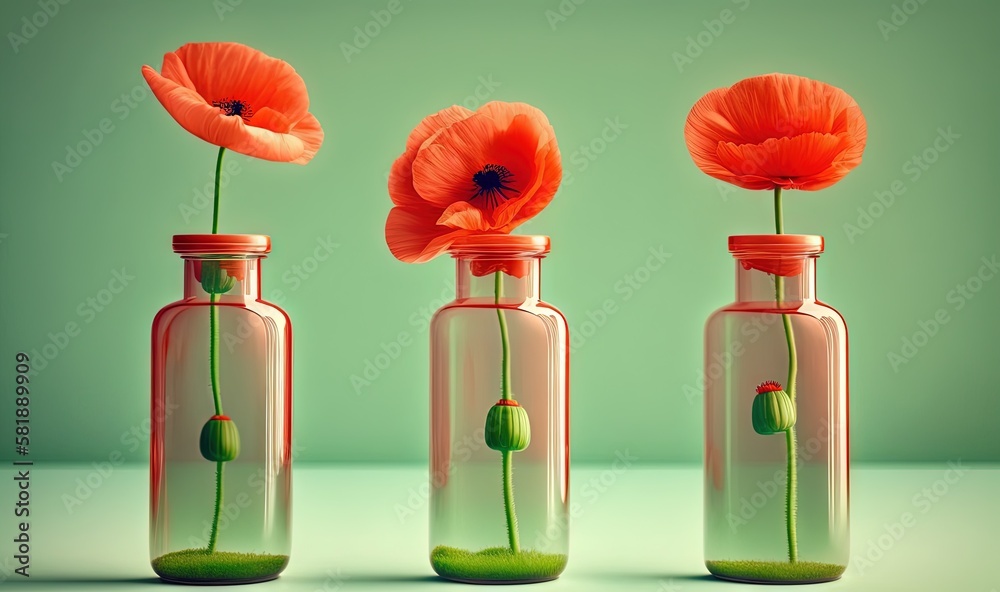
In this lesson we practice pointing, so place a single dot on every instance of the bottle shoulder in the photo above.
(473, 307)
(182, 308)
(816, 309)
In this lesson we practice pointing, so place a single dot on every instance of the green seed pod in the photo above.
(507, 427)
(773, 409)
(215, 279)
(220, 440)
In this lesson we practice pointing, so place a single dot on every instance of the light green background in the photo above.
(61, 239)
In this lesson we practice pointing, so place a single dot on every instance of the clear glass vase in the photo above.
(776, 423)
(220, 455)
(499, 458)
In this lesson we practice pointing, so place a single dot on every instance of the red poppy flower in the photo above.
(465, 173)
(238, 98)
(776, 130)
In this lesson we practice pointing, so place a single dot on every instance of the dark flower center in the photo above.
(491, 182)
(235, 107)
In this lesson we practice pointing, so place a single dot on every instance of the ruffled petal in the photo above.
(414, 236)
(280, 129)
(401, 189)
(462, 214)
(309, 132)
(790, 163)
(776, 130)
(432, 123)
(233, 71)
(444, 168)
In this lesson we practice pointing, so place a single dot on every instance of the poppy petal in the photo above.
(776, 130)
(791, 163)
(401, 189)
(310, 133)
(233, 71)
(445, 166)
(431, 124)
(211, 125)
(414, 236)
(271, 120)
(462, 214)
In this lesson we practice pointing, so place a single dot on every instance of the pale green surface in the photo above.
(639, 531)
(610, 59)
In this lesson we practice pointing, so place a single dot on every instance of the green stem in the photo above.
(508, 502)
(791, 479)
(218, 175)
(779, 222)
(214, 538)
(213, 352)
(504, 339)
(508, 478)
(213, 348)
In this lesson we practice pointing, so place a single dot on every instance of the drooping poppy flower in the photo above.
(238, 98)
(776, 130)
(466, 172)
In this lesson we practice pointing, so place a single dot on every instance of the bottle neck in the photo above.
(756, 285)
(519, 279)
(234, 278)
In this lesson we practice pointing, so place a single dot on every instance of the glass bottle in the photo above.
(776, 389)
(220, 449)
(499, 457)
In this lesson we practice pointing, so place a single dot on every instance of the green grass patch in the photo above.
(775, 571)
(496, 564)
(198, 565)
